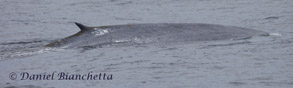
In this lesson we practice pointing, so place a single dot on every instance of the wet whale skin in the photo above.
(152, 33)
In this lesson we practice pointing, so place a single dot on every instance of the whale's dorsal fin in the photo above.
(82, 27)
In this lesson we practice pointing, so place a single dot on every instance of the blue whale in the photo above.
(152, 33)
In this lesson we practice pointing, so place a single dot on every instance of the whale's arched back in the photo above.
(152, 33)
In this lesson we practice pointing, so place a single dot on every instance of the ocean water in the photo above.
(258, 62)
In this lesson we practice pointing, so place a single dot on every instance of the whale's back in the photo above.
(153, 33)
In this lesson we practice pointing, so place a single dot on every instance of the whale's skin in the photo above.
(152, 33)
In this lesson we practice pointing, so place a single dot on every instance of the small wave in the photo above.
(22, 42)
(275, 34)
(26, 52)
(227, 44)
(272, 34)
(24, 86)
(23, 49)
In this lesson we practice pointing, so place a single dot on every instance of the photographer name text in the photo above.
(60, 76)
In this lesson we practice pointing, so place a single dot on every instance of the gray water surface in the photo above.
(257, 62)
